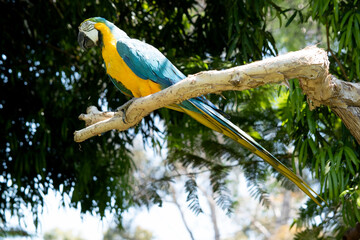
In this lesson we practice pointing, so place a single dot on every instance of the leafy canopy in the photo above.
(46, 81)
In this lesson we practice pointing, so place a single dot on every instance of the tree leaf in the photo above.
(341, 42)
(322, 158)
(338, 157)
(330, 187)
(301, 155)
(233, 45)
(317, 163)
(324, 5)
(348, 32)
(310, 121)
(291, 18)
(344, 19)
(312, 146)
(336, 10)
(349, 152)
(335, 184)
(349, 163)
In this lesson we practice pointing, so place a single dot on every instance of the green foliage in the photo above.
(212, 153)
(323, 144)
(192, 198)
(13, 232)
(314, 233)
(46, 82)
(342, 19)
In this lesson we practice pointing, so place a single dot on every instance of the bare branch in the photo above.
(310, 65)
(177, 204)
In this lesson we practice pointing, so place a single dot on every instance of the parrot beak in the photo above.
(84, 41)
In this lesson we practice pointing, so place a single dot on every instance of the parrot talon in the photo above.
(123, 108)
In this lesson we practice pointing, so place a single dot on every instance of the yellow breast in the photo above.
(118, 70)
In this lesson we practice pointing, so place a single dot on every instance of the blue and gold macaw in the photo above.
(138, 69)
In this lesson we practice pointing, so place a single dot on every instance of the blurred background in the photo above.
(170, 177)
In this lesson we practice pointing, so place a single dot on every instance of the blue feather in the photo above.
(148, 63)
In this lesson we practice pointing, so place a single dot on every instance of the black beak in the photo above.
(85, 42)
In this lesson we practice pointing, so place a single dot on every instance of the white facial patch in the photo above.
(93, 35)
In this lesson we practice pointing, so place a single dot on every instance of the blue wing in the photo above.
(148, 63)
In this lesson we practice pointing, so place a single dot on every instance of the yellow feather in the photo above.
(118, 69)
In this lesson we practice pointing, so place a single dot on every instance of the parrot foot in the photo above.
(123, 108)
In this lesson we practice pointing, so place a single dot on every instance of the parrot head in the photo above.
(89, 36)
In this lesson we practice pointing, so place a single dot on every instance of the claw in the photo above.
(123, 108)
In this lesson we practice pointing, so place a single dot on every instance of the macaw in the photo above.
(138, 69)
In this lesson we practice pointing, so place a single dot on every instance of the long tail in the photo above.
(211, 118)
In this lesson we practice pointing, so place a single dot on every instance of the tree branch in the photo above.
(310, 65)
(177, 204)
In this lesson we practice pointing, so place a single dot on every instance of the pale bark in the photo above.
(177, 204)
(212, 206)
(310, 65)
